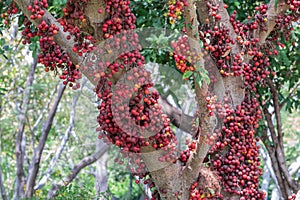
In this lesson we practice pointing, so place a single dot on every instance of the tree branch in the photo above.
(60, 38)
(46, 107)
(269, 169)
(19, 190)
(2, 187)
(101, 171)
(206, 122)
(276, 105)
(281, 182)
(62, 145)
(177, 117)
(272, 13)
(78, 167)
(37, 154)
(278, 148)
(270, 124)
(283, 168)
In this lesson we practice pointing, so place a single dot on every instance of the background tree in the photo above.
(228, 64)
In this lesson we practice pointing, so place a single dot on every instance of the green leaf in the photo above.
(206, 78)
(199, 80)
(187, 74)
(203, 71)
(211, 191)
(2, 91)
(276, 3)
(201, 43)
(197, 66)
(236, 3)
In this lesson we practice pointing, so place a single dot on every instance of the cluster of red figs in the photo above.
(197, 193)
(130, 116)
(37, 9)
(176, 9)
(185, 58)
(129, 110)
(51, 55)
(72, 20)
(12, 10)
(238, 166)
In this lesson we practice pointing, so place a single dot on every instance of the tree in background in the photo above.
(229, 62)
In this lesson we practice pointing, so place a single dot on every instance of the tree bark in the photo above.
(62, 145)
(101, 171)
(20, 182)
(276, 151)
(37, 154)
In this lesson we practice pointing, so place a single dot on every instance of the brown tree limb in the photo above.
(279, 148)
(272, 13)
(177, 117)
(37, 154)
(46, 108)
(206, 123)
(232, 85)
(62, 146)
(282, 184)
(276, 105)
(166, 176)
(20, 182)
(270, 124)
(77, 168)
(60, 38)
(284, 170)
(278, 160)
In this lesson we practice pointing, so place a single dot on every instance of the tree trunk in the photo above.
(101, 172)
(174, 178)
(20, 182)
